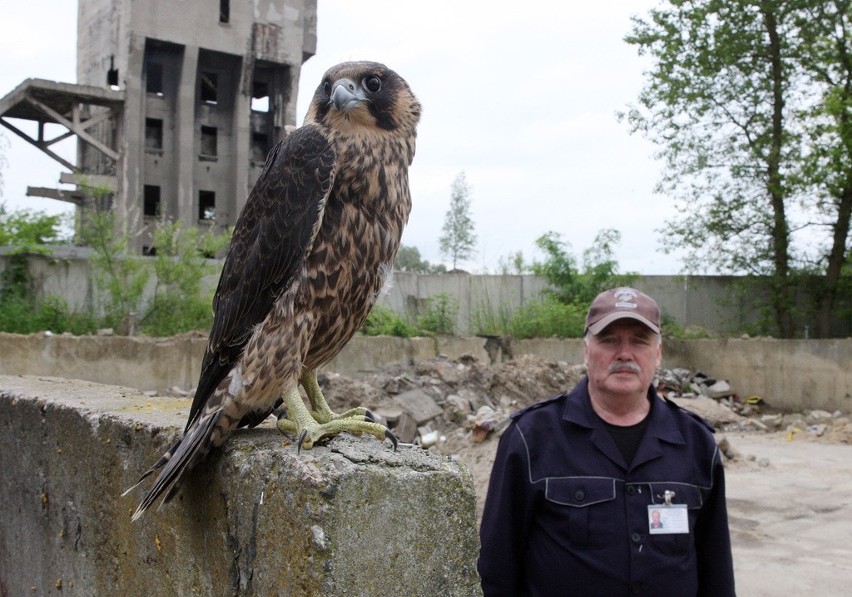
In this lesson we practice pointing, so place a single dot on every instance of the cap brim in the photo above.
(598, 326)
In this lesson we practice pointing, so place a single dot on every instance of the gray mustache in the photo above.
(624, 367)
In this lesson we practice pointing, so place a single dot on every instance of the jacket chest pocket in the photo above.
(582, 509)
(676, 544)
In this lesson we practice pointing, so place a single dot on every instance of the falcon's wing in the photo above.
(272, 236)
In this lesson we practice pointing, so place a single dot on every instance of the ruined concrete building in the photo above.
(175, 107)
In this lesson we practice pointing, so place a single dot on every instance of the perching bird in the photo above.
(310, 254)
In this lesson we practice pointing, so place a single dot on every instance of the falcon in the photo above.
(310, 254)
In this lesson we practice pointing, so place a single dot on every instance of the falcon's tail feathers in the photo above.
(163, 460)
(189, 450)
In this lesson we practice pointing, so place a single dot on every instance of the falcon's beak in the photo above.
(346, 95)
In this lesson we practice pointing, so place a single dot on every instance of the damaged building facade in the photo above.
(175, 108)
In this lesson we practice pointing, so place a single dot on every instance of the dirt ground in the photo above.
(790, 515)
(789, 481)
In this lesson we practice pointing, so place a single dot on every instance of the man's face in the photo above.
(623, 358)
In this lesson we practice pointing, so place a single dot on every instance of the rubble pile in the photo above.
(459, 407)
(431, 400)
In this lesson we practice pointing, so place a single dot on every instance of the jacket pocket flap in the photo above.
(684, 493)
(580, 492)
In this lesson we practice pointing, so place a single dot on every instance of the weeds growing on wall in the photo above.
(180, 302)
(440, 315)
(382, 321)
(120, 277)
(29, 232)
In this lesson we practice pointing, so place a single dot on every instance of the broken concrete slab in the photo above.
(349, 518)
(709, 409)
(720, 389)
(420, 405)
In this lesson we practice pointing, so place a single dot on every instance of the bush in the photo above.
(382, 321)
(440, 315)
(548, 318)
(20, 315)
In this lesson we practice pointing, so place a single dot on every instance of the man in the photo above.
(577, 478)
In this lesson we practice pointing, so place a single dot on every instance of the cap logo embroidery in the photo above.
(625, 297)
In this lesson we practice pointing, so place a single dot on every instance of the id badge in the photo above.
(672, 519)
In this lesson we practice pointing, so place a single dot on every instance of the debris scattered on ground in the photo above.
(460, 407)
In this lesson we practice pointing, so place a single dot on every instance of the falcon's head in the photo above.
(367, 94)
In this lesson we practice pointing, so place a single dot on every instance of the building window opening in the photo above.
(151, 205)
(154, 77)
(149, 251)
(259, 146)
(260, 96)
(112, 74)
(224, 11)
(208, 141)
(153, 134)
(206, 206)
(209, 86)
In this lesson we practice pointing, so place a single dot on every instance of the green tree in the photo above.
(750, 103)
(408, 259)
(28, 232)
(512, 264)
(28, 229)
(573, 284)
(458, 237)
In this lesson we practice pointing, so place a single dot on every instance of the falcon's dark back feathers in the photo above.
(310, 253)
(270, 242)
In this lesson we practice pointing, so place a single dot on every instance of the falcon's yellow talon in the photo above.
(313, 425)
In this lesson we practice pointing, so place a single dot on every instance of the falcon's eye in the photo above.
(372, 84)
(326, 87)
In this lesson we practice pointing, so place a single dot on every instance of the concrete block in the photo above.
(349, 518)
(419, 405)
(720, 389)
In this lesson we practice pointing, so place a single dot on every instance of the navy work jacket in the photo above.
(566, 515)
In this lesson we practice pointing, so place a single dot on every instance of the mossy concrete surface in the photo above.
(352, 517)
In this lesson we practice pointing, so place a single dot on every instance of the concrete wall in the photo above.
(711, 302)
(789, 374)
(350, 518)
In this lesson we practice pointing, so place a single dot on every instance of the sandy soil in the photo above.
(790, 519)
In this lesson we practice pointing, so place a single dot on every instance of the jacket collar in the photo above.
(662, 427)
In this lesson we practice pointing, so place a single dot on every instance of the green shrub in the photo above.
(19, 315)
(488, 321)
(547, 318)
(440, 315)
(180, 303)
(382, 321)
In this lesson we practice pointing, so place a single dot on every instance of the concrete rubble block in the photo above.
(715, 413)
(420, 405)
(720, 389)
(773, 421)
(387, 414)
(352, 517)
(405, 428)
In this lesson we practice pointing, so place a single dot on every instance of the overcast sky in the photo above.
(522, 97)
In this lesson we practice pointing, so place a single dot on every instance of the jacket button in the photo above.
(631, 490)
(636, 537)
(579, 495)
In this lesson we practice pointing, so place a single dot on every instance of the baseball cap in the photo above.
(622, 303)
